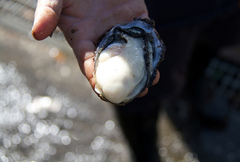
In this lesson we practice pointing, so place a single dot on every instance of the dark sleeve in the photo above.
(167, 12)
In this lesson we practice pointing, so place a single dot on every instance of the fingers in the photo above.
(46, 18)
(155, 81)
(143, 93)
(84, 51)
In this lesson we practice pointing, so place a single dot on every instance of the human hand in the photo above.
(83, 23)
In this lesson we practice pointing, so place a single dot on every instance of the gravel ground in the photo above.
(48, 110)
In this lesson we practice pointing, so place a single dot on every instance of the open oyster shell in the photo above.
(126, 61)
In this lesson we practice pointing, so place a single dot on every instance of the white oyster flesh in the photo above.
(120, 73)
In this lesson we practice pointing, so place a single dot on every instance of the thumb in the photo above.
(46, 18)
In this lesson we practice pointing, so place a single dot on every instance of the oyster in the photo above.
(126, 61)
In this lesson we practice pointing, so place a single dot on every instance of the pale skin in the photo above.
(83, 22)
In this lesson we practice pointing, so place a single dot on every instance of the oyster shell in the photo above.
(126, 61)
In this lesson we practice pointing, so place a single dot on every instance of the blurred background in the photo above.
(48, 112)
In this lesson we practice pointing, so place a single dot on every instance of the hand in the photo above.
(83, 22)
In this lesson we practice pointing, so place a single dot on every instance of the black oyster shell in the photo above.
(153, 48)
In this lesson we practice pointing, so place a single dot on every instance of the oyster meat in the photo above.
(126, 61)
